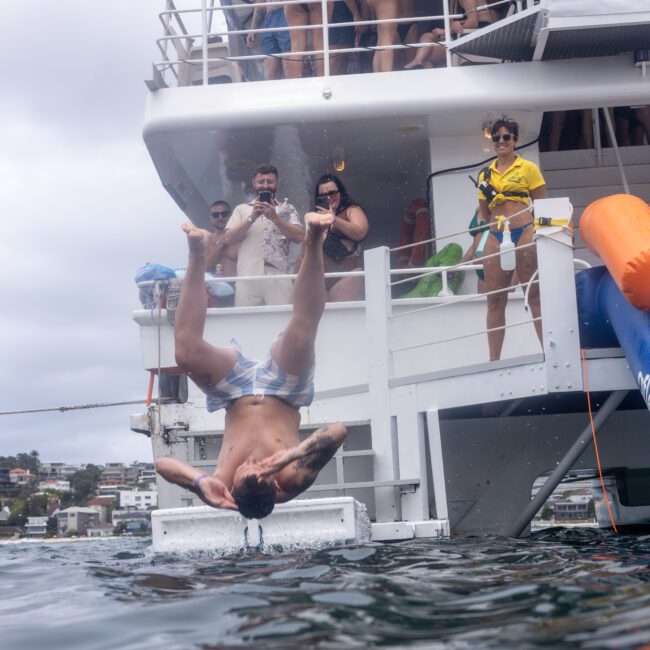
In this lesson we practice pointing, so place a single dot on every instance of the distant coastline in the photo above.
(65, 540)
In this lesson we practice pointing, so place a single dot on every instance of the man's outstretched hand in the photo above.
(213, 492)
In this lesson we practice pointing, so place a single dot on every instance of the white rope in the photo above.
(528, 286)
(455, 300)
(462, 232)
(465, 336)
(460, 265)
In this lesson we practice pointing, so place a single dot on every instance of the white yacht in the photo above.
(441, 441)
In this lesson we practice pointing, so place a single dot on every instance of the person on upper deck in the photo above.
(506, 189)
(299, 15)
(339, 11)
(342, 245)
(476, 16)
(392, 33)
(272, 42)
(345, 11)
(262, 460)
(264, 229)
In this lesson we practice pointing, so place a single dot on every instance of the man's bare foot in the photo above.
(197, 238)
(316, 225)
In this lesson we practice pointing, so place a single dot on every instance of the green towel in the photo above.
(431, 285)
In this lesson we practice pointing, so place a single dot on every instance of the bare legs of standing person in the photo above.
(498, 279)
(299, 16)
(387, 34)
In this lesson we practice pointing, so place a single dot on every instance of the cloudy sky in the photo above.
(81, 210)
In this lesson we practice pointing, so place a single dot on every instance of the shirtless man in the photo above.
(262, 461)
(218, 251)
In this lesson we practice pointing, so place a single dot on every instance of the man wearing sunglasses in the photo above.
(220, 253)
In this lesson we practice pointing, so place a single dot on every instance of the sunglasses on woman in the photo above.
(506, 137)
(329, 194)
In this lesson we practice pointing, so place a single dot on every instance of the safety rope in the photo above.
(459, 299)
(454, 234)
(465, 336)
(455, 267)
(78, 407)
(593, 434)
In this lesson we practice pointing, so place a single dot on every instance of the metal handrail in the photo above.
(173, 13)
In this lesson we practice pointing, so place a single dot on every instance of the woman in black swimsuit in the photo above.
(475, 18)
(342, 247)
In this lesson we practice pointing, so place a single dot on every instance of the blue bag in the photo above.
(151, 273)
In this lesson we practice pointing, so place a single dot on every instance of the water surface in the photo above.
(558, 589)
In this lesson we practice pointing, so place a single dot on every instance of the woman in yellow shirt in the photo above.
(506, 188)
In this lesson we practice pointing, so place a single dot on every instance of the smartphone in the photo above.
(265, 196)
(323, 202)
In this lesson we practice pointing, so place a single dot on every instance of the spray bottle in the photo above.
(507, 248)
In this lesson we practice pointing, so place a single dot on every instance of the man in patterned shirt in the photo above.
(262, 460)
(264, 229)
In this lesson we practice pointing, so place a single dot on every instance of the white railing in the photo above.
(556, 253)
(200, 20)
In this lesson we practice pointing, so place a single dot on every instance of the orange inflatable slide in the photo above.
(614, 300)
(617, 228)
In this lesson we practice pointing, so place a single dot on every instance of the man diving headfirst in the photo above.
(262, 461)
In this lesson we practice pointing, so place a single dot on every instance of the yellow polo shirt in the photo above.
(521, 176)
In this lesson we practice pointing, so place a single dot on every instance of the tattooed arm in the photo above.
(310, 456)
(208, 488)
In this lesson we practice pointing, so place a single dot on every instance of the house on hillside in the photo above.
(132, 516)
(575, 508)
(77, 519)
(20, 476)
(102, 529)
(58, 471)
(102, 505)
(36, 526)
(138, 499)
(59, 485)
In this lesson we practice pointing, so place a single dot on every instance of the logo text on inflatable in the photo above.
(644, 387)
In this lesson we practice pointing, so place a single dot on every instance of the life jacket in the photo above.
(490, 192)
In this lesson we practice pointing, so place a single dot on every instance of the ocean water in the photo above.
(573, 588)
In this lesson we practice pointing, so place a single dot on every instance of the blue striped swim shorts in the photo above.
(253, 377)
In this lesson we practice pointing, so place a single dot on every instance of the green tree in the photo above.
(8, 462)
(37, 505)
(31, 462)
(18, 514)
(84, 483)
